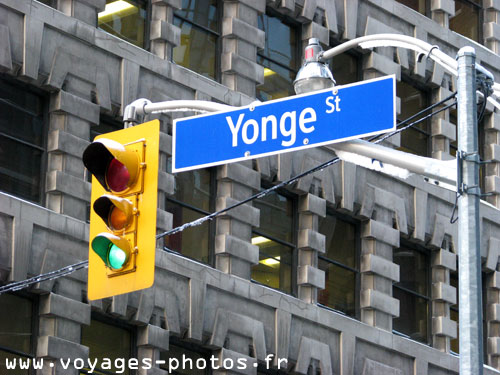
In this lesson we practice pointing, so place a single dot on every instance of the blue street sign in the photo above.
(289, 124)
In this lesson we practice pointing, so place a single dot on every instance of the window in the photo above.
(280, 58)
(188, 359)
(125, 19)
(418, 5)
(16, 332)
(23, 134)
(193, 198)
(412, 291)
(110, 344)
(276, 241)
(341, 264)
(199, 24)
(416, 138)
(454, 313)
(345, 68)
(468, 19)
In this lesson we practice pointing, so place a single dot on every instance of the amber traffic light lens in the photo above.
(117, 219)
(117, 176)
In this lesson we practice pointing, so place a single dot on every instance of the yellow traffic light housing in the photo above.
(124, 167)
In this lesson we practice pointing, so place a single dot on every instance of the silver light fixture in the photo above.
(314, 75)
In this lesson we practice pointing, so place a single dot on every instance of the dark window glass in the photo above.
(416, 138)
(106, 341)
(413, 294)
(418, 5)
(16, 331)
(188, 360)
(279, 58)
(454, 312)
(467, 19)
(22, 134)
(193, 198)
(340, 263)
(345, 69)
(275, 239)
(125, 19)
(199, 24)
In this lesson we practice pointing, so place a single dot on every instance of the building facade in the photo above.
(347, 271)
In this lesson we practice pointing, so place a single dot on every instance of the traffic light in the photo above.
(124, 167)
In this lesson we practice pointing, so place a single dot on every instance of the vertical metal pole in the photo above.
(469, 256)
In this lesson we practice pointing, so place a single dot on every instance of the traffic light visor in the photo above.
(116, 212)
(115, 167)
(113, 250)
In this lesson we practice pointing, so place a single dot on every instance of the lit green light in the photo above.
(116, 257)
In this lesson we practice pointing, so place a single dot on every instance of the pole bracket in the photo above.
(468, 157)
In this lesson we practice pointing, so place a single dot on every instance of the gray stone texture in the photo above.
(86, 72)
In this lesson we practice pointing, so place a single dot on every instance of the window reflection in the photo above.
(106, 341)
(192, 199)
(16, 315)
(199, 24)
(275, 239)
(26, 140)
(279, 58)
(467, 19)
(416, 138)
(413, 294)
(340, 264)
(125, 19)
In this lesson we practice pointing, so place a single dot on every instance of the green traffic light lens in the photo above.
(116, 257)
(113, 250)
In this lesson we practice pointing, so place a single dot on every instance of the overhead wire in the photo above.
(52, 275)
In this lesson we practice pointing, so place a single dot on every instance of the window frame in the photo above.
(34, 329)
(294, 25)
(479, 7)
(427, 102)
(218, 37)
(422, 250)
(147, 24)
(211, 223)
(294, 246)
(101, 318)
(357, 262)
(192, 347)
(45, 133)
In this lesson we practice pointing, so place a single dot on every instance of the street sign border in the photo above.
(285, 150)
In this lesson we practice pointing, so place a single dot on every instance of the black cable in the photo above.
(432, 106)
(84, 264)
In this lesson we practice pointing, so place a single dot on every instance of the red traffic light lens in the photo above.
(117, 176)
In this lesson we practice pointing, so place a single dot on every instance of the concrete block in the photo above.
(444, 292)
(445, 259)
(492, 184)
(310, 239)
(240, 174)
(493, 346)
(381, 64)
(166, 182)
(492, 152)
(61, 141)
(373, 299)
(55, 347)
(312, 204)
(54, 305)
(245, 213)
(443, 128)
(381, 232)
(227, 244)
(491, 31)
(311, 276)
(58, 181)
(5, 52)
(234, 27)
(493, 312)
(235, 64)
(492, 122)
(315, 30)
(372, 263)
(445, 6)
(163, 30)
(76, 106)
(493, 281)
(153, 336)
